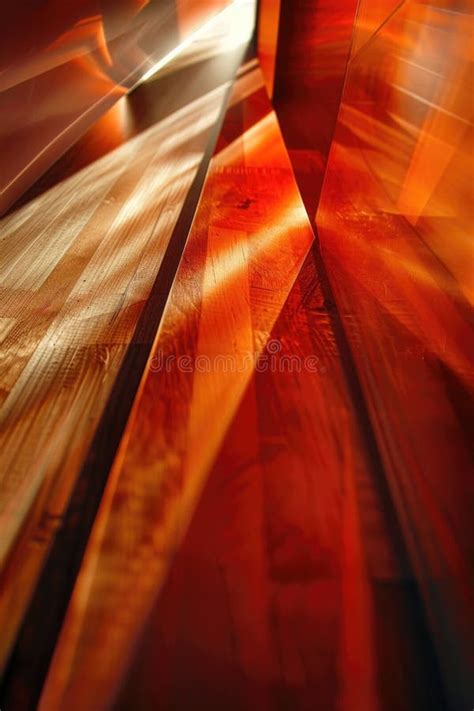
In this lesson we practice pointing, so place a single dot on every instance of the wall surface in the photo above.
(63, 64)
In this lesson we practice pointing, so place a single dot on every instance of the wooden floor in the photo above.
(227, 535)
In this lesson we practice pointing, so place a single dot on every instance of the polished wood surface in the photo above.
(79, 261)
(237, 468)
(395, 225)
(291, 586)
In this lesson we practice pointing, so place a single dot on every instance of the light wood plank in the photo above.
(77, 267)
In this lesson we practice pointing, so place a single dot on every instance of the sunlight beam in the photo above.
(193, 37)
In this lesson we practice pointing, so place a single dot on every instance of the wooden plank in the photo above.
(78, 264)
(63, 68)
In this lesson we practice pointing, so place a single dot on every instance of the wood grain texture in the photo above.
(78, 264)
(287, 521)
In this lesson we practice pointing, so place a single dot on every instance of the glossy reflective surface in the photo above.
(63, 64)
(395, 225)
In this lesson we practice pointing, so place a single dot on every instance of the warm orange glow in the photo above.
(395, 225)
(76, 266)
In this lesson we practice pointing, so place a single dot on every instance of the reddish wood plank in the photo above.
(394, 224)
